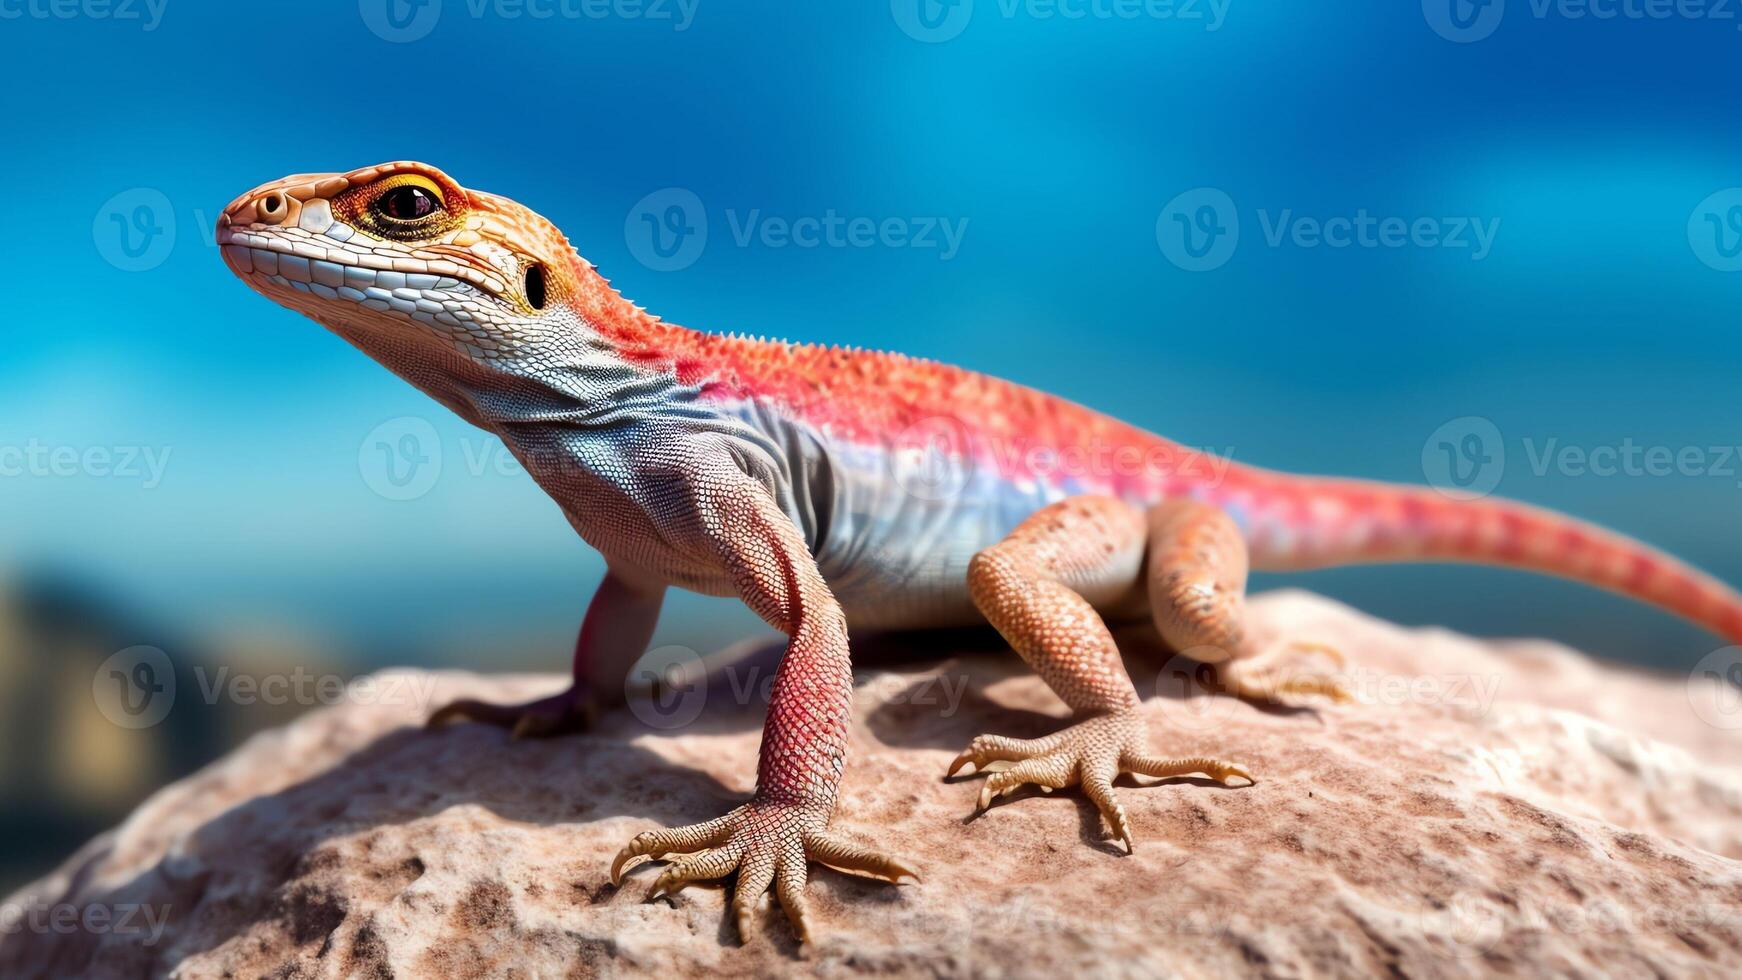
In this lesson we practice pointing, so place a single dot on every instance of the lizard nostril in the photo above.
(271, 208)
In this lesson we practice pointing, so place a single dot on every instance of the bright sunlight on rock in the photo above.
(1485, 806)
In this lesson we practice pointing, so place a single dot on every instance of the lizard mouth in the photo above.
(356, 288)
(302, 264)
(344, 282)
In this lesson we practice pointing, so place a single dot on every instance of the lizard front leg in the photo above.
(772, 838)
(1039, 587)
(614, 633)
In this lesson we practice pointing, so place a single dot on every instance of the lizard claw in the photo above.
(767, 843)
(1268, 679)
(986, 750)
(1090, 754)
(560, 714)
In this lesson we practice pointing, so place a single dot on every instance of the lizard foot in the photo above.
(1091, 753)
(560, 714)
(1275, 677)
(766, 842)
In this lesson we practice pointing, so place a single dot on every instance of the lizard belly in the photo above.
(893, 541)
(897, 553)
(892, 535)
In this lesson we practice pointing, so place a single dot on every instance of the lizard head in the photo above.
(402, 261)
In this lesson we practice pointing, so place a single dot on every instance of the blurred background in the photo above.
(1466, 244)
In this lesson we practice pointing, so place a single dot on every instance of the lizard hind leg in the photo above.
(1040, 587)
(1197, 595)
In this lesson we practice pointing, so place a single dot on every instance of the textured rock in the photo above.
(1515, 806)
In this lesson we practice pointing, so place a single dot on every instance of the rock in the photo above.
(1491, 807)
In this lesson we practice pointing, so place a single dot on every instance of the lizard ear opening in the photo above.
(535, 286)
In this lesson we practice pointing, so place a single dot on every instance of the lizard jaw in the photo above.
(327, 281)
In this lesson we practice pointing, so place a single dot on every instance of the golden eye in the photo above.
(409, 199)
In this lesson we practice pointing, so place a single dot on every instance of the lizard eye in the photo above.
(408, 202)
(402, 207)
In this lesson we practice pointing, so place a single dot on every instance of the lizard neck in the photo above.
(591, 367)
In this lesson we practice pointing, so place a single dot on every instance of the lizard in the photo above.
(827, 487)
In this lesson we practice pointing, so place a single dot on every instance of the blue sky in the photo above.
(1597, 315)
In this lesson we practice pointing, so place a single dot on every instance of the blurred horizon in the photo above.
(1552, 214)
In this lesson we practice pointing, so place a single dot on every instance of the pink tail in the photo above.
(1303, 522)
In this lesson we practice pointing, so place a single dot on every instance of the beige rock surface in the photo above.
(1492, 806)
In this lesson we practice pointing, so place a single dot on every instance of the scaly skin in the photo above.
(825, 487)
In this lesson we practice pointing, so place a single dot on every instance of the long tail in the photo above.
(1307, 522)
